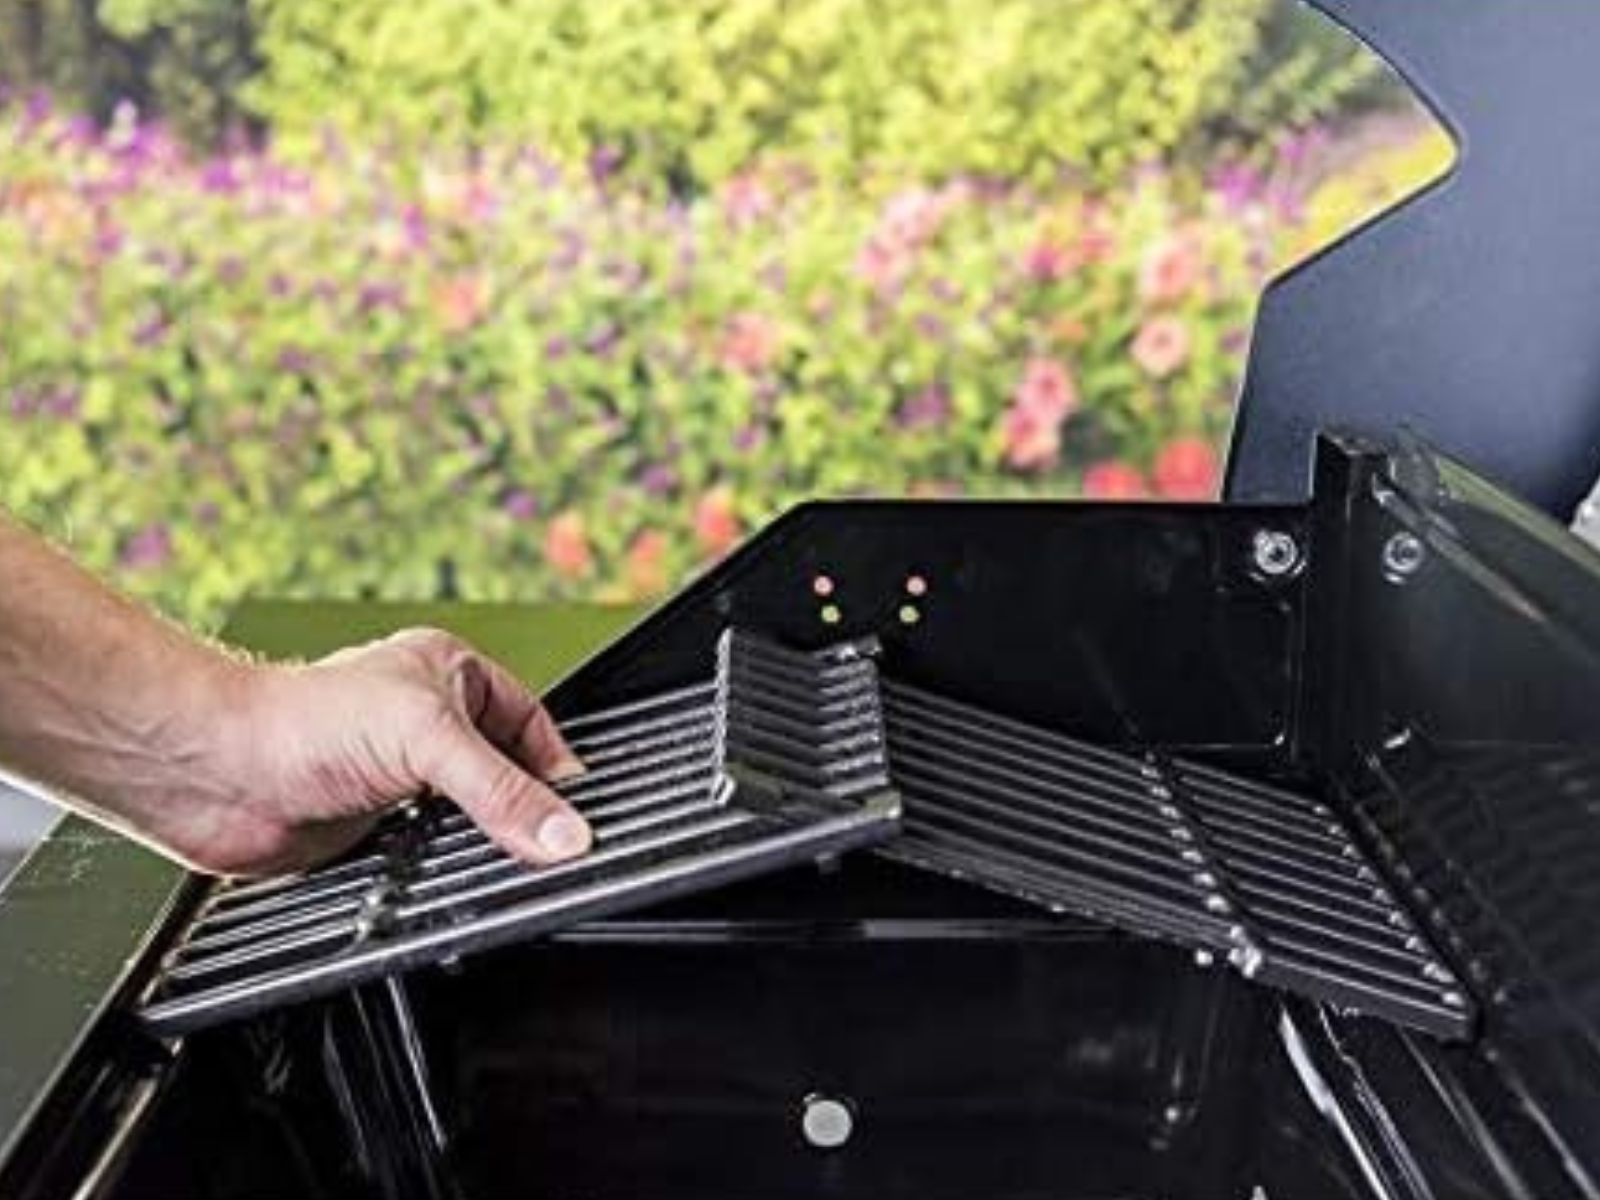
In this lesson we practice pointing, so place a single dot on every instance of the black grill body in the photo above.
(1219, 850)
(1237, 847)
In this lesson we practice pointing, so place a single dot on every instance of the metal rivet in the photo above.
(1276, 554)
(1402, 555)
(827, 1121)
(1204, 958)
(1217, 904)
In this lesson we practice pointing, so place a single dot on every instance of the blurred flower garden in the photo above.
(542, 298)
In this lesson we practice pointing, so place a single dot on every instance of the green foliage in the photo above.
(185, 59)
(691, 91)
(485, 374)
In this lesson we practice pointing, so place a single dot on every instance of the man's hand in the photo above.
(239, 768)
(327, 747)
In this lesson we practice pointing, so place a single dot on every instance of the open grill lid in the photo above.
(1470, 313)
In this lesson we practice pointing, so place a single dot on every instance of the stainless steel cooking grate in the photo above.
(1260, 877)
(785, 756)
(779, 759)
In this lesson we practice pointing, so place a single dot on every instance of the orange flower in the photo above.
(1170, 269)
(716, 524)
(750, 343)
(1114, 479)
(566, 546)
(1161, 346)
(460, 302)
(1032, 438)
(1069, 329)
(1187, 469)
(645, 564)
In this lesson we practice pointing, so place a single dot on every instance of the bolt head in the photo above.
(1275, 553)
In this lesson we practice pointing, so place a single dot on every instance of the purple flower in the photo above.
(774, 277)
(415, 224)
(23, 404)
(928, 409)
(520, 504)
(292, 360)
(1238, 185)
(750, 437)
(570, 250)
(658, 479)
(603, 163)
(602, 343)
(150, 331)
(62, 403)
(220, 176)
(556, 348)
(374, 296)
(149, 547)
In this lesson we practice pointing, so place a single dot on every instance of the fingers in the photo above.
(512, 716)
(518, 811)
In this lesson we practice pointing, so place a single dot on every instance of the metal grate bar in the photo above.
(1261, 877)
(779, 759)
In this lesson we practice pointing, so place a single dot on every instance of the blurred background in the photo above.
(531, 299)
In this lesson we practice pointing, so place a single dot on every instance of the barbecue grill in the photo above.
(955, 849)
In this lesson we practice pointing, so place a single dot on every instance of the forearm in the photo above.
(105, 706)
(238, 768)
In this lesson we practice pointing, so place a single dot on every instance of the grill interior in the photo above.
(784, 757)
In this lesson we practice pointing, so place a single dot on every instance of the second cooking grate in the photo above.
(1265, 879)
(778, 759)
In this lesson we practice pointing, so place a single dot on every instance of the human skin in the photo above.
(236, 767)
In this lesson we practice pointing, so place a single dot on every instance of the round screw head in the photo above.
(1402, 555)
(1275, 553)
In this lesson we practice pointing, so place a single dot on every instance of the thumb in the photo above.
(520, 813)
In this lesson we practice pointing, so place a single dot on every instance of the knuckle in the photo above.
(429, 641)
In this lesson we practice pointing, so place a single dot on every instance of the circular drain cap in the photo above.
(827, 1121)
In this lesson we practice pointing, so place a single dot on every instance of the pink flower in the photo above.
(1047, 388)
(1161, 346)
(716, 524)
(1032, 438)
(746, 199)
(882, 264)
(566, 546)
(913, 217)
(1046, 261)
(750, 343)
(1170, 269)
(1187, 469)
(646, 563)
(1114, 479)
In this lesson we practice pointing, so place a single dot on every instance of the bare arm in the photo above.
(244, 768)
